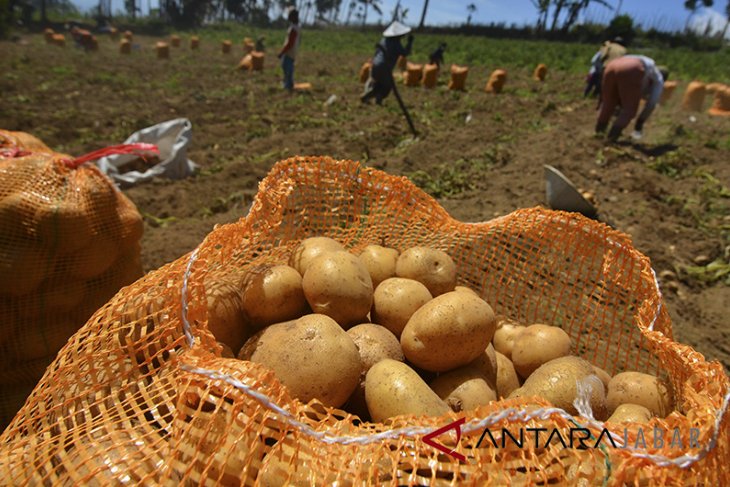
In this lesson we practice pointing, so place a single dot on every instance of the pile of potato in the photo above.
(383, 334)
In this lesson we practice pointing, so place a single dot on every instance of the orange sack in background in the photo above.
(669, 88)
(540, 72)
(146, 386)
(694, 96)
(430, 75)
(69, 240)
(413, 74)
(721, 102)
(194, 43)
(226, 47)
(125, 47)
(163, 50)
(365, 71)
(496, 81)
(458, 77)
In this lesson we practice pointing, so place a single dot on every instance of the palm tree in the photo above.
(692, 6)
(423, 15)
(471, 8)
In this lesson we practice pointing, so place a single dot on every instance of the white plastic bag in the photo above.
(171, 137)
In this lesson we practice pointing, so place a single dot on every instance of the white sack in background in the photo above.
(171, 137)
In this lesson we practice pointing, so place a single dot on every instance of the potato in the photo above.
(311, 248)
(395, 300)
(507, 380)
(63, 226)
(273, 295)
(225, 312)
(641, 389)
(380, 262)
(486, 364)
(449, 331)
(505, 334)
(464, 289)
(463, 389)
(538, 344)
(431, 267)
(555, 381)
(312, 356)
(392, 389)
(375, 343)
(338, 285)
(603, 375)
(630, 413)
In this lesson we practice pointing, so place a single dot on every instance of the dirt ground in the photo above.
(481, 155)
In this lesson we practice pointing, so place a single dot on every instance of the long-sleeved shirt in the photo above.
(386, 55)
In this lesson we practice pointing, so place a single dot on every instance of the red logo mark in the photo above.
(456, 425)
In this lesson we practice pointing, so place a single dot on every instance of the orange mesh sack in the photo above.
(458, 77)
(143, 394)
(68, 241)
(496, 81)
(721, 102)
(430, 75)
(540, 72)
(365, 71)
(412, 74)
(694, 96)
(669, 88)
(257, 61)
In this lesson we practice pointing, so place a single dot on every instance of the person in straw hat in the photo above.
(626, 81)
(386, 56)
(609, 51)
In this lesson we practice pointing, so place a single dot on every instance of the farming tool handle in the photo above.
(405, 110)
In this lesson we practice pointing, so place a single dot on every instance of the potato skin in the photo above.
(393, 389)
(338, 285)
(505, 334)
(536, 345)
(380, 262)
(431, 267)
(556, 380)
(375, 343)
(312, 356)
(641, 389)
(507, 380)
(311, 248)
(630, 413)
(463, 389)
(273, 295)
(449, 331)
(395, 300)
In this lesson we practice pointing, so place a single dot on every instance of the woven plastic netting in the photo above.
(68, 242)
(142, 395)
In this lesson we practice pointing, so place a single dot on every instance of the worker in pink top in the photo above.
(626, 80)
(288, 53)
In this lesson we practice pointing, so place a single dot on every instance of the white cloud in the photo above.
(709, 20)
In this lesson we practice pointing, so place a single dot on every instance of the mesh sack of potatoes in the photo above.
(69, 240)
(144, 392)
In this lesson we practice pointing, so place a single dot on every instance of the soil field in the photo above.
(479, 154)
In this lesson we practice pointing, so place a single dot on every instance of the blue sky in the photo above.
(662, 14)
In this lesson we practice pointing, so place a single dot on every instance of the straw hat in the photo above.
(396, 29)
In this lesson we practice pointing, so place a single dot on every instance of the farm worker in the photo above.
(260, 44)
(386, 55)
(288, 52)
(437, 56)
(608, 52)
(625, 82)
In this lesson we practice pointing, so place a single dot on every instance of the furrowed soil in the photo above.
(481, 155)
